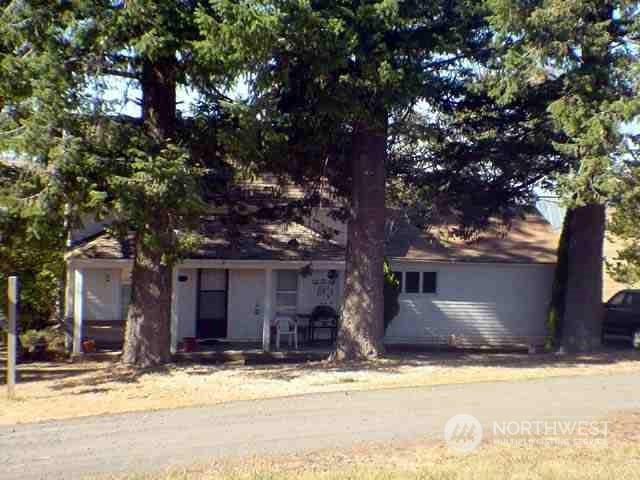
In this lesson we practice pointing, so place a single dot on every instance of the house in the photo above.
(493, 291)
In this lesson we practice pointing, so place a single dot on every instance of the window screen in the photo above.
(412, 282)
(213, 304)
(429, 282)
(211, 280)
(287, 280)
(287, 289)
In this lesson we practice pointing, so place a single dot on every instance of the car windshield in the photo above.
(617, 299)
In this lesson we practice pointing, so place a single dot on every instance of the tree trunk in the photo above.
(559, 288)
(582, 322)
(148, 330)
(362, 325)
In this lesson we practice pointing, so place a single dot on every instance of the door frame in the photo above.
(226, 302)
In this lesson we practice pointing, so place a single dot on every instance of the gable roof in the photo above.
(255, 241)
(530, 239)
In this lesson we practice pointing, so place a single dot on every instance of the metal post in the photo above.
(11, 337)
(267, 314)
(78, 311)
(174, 310)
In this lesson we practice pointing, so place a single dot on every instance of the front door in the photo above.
(212, 303)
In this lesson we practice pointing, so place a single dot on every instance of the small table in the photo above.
(321, 323)
(303, 326)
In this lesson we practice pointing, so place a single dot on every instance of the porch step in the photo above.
(100, 356)
(257, 357)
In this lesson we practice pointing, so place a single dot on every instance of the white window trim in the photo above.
(289, 292)
(403, 282)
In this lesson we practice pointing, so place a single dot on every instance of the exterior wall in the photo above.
(246, 299)
(246, 304)
(318, 289)
(479, 304)
(102, 294)
(103, 305)
(186, 286)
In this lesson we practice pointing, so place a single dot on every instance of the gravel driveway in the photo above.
(139, 442)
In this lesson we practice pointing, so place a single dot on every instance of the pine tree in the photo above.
(328, 78)
(589, 49)
(32, 244)
(60, 63)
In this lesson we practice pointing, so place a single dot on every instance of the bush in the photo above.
(46, 344)
(555, 313)
(391, 295)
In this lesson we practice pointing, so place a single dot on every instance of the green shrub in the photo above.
(559, 288)
(53, 337)
(391, 295)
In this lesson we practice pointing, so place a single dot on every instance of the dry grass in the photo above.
(619, 460)
(56, 391)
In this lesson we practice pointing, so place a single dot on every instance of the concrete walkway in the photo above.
(139, 442)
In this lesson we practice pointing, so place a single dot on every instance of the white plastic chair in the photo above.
(286, 326)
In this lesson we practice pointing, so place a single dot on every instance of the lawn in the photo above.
(619, 460)
(64, 390)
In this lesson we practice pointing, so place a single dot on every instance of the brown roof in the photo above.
(529, 240)
(256, 241)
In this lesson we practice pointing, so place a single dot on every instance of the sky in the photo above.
(125, 98)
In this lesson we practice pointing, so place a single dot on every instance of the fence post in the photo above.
(12, 337)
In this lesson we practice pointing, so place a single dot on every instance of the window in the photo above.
(212, 297)
(412, 282)
(429, 282)
(633, 299)
(287, 290)
(617, 299)
(398, 276)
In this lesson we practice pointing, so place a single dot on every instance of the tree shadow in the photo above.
(101, 378)
(38, 373)
(396, 363)
(118, 374)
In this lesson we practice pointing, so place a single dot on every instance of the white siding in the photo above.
(246, 304)
(246, 299)
(102, 294)
(186, 302)
(318, 289)
(480, 304)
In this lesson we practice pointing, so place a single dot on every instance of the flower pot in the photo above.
(190, 344)
(88, 346)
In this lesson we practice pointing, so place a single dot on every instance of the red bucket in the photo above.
(190, 344)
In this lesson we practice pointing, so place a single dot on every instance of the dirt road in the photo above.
(148, 441)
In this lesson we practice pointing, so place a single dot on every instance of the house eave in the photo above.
(214, 263)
